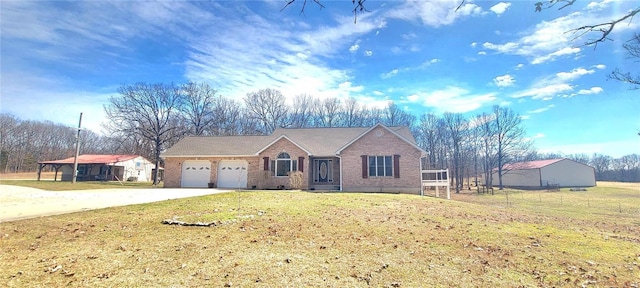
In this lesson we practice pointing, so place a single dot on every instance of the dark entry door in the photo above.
(323, 173)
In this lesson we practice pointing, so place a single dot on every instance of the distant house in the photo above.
(98, 167)
(366, 159)
(543, 173)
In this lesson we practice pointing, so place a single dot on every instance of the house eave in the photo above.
(207, 156)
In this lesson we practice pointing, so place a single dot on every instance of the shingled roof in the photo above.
(317, 141)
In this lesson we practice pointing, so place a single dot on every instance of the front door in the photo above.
(322, 171)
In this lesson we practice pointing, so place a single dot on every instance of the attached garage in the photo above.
(196, 173)
(232, 174)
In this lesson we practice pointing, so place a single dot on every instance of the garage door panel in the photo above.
(232, 174)
(195, 173)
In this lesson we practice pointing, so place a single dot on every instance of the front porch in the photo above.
(324, 173)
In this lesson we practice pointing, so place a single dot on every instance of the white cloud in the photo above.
(504, 80)
(409, 36)
(555, 54)
(573, 74)
(474, 44)
(396, 71)
(354, 48)
(599, 5)
(435, 13)
(600, 66)
(545, 42)
(519, 66)
(592, 90)
(545, 92)
(452, 99)
(558, 85)
(368, 53)
(540, 110)
(482, 53)
(500, 8)
(389, 74)
(538, 136)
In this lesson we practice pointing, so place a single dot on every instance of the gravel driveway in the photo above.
(18, 202)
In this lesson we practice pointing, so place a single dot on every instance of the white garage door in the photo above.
(232, 174)
(196, 173)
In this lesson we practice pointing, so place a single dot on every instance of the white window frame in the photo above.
(386, 167)
(285, 161)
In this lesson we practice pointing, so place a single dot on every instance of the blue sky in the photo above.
(62, 58)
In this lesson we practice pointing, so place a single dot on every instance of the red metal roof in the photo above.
(530, 164)
(93, 159)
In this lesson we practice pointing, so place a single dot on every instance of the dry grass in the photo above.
(51, 185)
(29, 176)
(337, 240)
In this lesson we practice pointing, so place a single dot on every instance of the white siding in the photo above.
(568, 173)
(564, 173)
(521, 178)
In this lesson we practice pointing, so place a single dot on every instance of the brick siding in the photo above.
(385, 145)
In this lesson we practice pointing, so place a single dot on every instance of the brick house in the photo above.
(364, 159)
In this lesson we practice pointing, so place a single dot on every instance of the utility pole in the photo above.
(75, 159)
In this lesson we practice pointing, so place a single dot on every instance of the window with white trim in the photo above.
(380, 166)
(283, 165)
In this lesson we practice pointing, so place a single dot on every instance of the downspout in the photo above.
(340, 158)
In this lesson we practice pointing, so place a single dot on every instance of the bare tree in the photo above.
(150, 111)
(394, 116)
(510, 139)
(578, 157)
(633, 50)
(352, 113)
(457, 128)
(327, 112)
(302, 111)
(228, 118)
(198, 106)
(601, 163)
(268, 107)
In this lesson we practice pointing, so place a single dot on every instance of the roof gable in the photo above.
(409, 141)
(278, 139)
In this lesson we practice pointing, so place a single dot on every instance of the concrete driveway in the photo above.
(18, 202)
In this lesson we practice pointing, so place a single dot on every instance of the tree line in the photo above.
(147, 118)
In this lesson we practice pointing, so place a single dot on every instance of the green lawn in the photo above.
(298, 239)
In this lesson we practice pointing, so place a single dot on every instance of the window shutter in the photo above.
(396, 166)
(266, 163)
(365, 173)
(301, 164)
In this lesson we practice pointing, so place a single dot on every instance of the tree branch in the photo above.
(604, 28)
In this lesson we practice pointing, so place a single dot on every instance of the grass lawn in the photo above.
(276, 239)
(46, 182)
(51, 185)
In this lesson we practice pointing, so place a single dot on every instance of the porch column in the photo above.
(39, 170)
